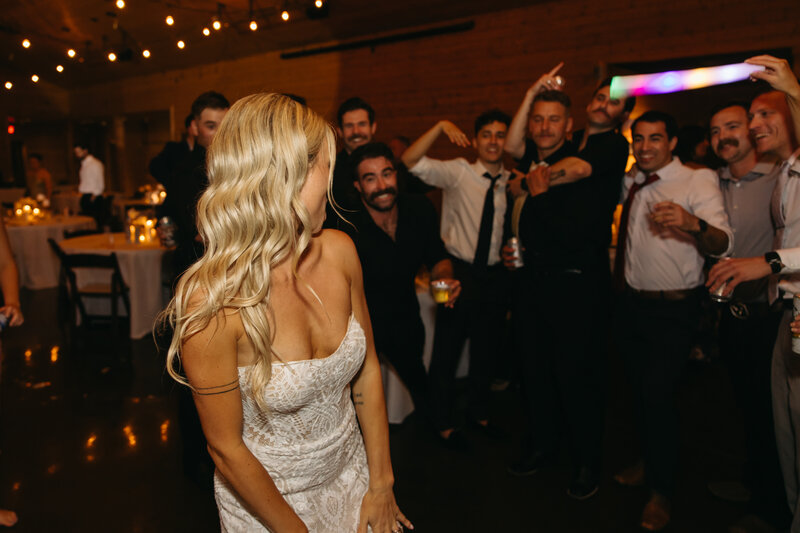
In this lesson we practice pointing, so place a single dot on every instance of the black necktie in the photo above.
(622, 234)
(487, 223)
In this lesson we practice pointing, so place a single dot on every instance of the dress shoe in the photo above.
(730, 491)
(632, 476)
(490, 431)
(656, 513)
(455, 442)
(584, 486)
(529, 464)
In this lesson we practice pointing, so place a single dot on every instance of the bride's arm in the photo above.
(209, 359)
(379, 508)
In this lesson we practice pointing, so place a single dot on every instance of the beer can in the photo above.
(795, 314)
(516, 252)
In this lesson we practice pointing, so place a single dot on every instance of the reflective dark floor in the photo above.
(89, 442)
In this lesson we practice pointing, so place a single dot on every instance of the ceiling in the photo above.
(93, 28)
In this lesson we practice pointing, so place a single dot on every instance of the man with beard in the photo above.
(672, 217)
(564, 227)
(473, 211)
(773, 118)
(747, 327)
(397, 234)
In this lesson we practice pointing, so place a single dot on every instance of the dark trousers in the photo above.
(654, 338)
(478, 315)
(564, 361)
(745, 344)
(92, 208)
(402, 342)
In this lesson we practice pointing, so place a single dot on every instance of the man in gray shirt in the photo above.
(747, 328)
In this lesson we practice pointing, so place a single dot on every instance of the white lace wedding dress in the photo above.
(308, 440)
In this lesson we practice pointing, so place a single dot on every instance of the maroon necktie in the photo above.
(622, 234)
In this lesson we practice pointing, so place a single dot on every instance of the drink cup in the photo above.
(440, 290)
(717, 295)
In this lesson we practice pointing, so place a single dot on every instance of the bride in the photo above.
(272, 333)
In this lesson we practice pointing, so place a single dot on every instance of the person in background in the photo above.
(397, 234)
(42, 180)
(9, 285)
(747, 327)
(692, 148)
(774, 119)
(473, 213)
(92, 181)
(672, 217)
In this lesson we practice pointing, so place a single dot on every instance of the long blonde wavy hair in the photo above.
(250, 219)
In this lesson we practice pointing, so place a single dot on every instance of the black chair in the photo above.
(112, 290)
(79, 233)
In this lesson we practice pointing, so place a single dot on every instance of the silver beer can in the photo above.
(516, 252)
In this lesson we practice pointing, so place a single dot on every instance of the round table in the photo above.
(37, 264)
(140, 265)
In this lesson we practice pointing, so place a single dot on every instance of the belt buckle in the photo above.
(739, 310)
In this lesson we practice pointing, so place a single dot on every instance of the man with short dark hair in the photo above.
(473, 211)
(92, 181)
(397, 234)
(356, 127)
(564, 226)
(747, 327)
(672, 217)
(774, 117)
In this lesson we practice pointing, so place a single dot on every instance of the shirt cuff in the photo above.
(790, 257)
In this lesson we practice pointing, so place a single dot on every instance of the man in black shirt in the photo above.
(565, 227)
(395, 234)
(163, 166)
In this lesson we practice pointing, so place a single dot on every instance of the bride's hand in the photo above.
(379, 510)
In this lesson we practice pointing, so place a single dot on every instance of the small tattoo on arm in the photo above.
(358, 399)
(218, 389)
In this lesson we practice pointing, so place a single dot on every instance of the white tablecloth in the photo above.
(398, 400)
(141, 270)
(38, 265)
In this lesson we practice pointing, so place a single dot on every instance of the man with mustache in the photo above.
(564, 226)
(672, 217)
(473, 212)
(747, 327)
(396, 234)
(774, 117)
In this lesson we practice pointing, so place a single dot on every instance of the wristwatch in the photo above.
(774, 261)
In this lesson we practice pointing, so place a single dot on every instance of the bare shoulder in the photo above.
(339, 251)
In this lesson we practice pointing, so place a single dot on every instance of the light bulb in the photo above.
(71, 52)
(9, 85)
(120, 4)
(34, 78)
(181, 45)
(206, 32)
(169, 20)
(285, 15)
(318, 3)
(253, 25)
(216, 25)
(112, 56)
(60, 68)
(146, 53)
(26, 43)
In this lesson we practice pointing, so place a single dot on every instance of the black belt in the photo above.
(666, 296)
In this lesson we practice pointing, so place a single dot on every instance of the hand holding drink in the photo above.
(445, 291)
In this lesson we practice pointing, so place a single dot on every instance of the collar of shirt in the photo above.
(480, 170)
(665, 173)
(761, 169)
(793, 164)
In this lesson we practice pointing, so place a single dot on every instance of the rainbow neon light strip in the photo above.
(679, 80)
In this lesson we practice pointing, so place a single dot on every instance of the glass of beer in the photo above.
(440, 289)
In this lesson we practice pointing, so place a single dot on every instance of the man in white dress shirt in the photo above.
(92, 181)
(774, 118)
(672, 216)
(473, 212)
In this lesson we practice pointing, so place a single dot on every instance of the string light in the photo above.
(26, 43)
(181, 45)
(34, 78)
(206, 32)
(60, 68)
(318, 3)
(285, 15)
(71, 52)
(112, 56)
(146, 53)
(216, 25)
(121, 4)
(9, 85)
(170, 21)
(253, 25)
